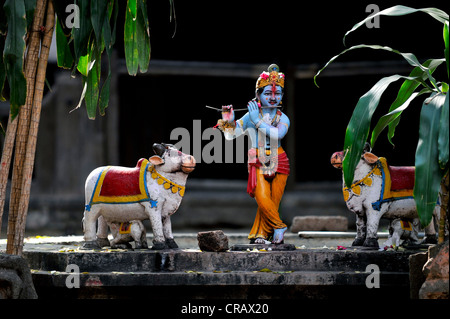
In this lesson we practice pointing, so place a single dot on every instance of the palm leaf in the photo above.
(404, 94)
(13, 53)
(400, 10)
(82, 34)
(428, 173)
(359, 125)
(64, 56)
(2, 66)
(143, 36)
(446, 41)
(443, 143)
(131, 50)
(392, 116)
(108, 39)
(99, 10)
(409, 57)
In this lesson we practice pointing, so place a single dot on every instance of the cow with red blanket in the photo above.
(379, 190)
(123, 196)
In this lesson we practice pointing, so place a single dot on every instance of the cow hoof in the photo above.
(122, 246)
(429, 239)
(170, 242)
(88, 245)
(359, 241)
(103, 242)
(371, 242)
(159, 246)
(140, 245)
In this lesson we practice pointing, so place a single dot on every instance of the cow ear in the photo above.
(370, 158)
(156, 160)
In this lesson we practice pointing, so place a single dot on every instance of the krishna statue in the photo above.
(268, 164)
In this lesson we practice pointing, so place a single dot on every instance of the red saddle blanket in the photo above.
(402, 177)
(122, 181)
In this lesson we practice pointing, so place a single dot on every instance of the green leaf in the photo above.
(83, 64)
(359, 125)
(63, 54)
(30, 5)
(444, 135)
(406, 90)
(400, 10)
(428, 173)
(446, 41)
(115, 14)
(3, 33)
(409, 57)
(13, 53)
(81, 35)
(92, 89)
(143, 36)
(391, 117)
(93, 80)
(432, 65)
(2, 66)
(131, 50)
(107, 37)
(172, 16)
(136, 37)
(99, 10)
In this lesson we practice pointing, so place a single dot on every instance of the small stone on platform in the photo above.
(267, 247)
(319, 223)
(212, 241)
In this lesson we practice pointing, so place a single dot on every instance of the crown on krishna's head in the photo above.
(270, 77)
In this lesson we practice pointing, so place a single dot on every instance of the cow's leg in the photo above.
(361, 229)
(155, 219)
(89, 228)
(102, 232)
(143, 240)
(430, 230)
(139, 235)
(167, 229)
(413, 236)
(373, 220)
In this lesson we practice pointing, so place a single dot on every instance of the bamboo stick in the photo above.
(33, 132)
(24, 122)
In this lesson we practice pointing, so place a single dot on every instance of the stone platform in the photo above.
(309, 271)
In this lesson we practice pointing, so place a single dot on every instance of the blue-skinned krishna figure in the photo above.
(268, 164)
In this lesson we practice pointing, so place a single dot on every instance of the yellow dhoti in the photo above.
(268, 193)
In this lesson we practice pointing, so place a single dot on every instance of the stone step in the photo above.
(303, 273)
(195, 260)
(208, 278)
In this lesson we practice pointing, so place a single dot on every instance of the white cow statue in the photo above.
(402, 231)
(124, 233)
(151, 190)
(379, 190)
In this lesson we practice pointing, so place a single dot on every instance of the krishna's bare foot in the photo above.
(278, 235)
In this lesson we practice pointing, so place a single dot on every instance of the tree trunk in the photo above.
(6, 163)
(24, 123)
(444, 208)
(33, 131)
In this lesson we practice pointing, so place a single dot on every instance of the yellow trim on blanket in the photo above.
(388, 193)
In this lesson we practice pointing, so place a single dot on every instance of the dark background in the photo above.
(288, 33)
